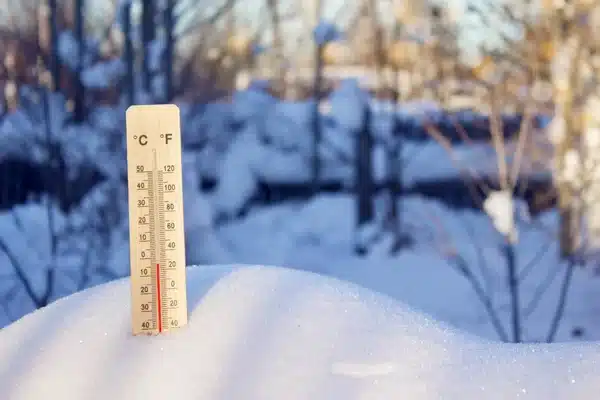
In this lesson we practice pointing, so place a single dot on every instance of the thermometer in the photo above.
(156, 234)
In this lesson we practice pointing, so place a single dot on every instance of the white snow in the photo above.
(335, 325)
(303, 235)
(273, 144)
(347, 104)
(265, 333)
(320, 236)
(103, 75)
(202, 245)
(499, 206)
(330, 341)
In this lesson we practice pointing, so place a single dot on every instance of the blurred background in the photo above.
(444, 153)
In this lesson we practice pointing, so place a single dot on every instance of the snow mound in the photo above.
(274, 333)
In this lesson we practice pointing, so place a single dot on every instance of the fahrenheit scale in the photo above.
(156, 235)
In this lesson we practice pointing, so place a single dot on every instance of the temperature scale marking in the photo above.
(156, 230)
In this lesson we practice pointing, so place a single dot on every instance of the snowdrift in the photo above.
(273, 333)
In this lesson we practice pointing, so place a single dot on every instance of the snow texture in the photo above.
(273, 333)
(499, 206)
(302, 235)
(202, 245)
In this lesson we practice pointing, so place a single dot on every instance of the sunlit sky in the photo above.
(252, 14)
(474, 31)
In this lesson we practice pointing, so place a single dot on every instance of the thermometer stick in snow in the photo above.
(156, 236)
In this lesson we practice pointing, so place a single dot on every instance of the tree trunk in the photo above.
(148, 35)
(53, 56)
(277, 43)
(318, 83)
(79, 28)
(513, 287)
(169, 50)
(129, 54)
(363, 184)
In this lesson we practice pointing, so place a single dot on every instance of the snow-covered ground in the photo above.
(273, 333)
(319, 236)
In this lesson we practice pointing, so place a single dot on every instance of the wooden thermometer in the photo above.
(156, 237)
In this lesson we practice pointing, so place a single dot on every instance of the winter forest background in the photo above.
(442, 153)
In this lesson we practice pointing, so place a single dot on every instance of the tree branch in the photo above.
(540, 290)
(461, 265)
(562, 300)
(535, 259)
(19, 271)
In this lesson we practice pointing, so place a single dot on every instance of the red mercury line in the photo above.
(158, 298)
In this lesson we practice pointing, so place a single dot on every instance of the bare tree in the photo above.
(506, 78)
(278, 41)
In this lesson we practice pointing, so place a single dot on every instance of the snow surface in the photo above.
(303, 235)
(319, 236)
(273, 333)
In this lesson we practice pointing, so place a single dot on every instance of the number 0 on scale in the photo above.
(156, 236)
